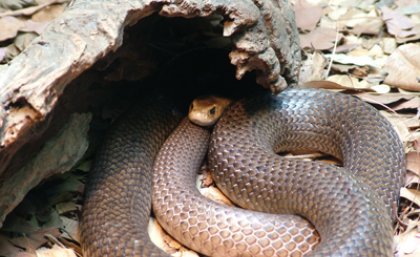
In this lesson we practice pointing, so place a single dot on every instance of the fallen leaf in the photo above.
(414, 103)
(399, 25)
(411, 178)
(416, 144)
(356, 60)
(388, 45)
(414, 36)
(320, 38)
(324, 84)
(349, 82)
(66, 207)
(360, 22)
(307, 15)
(345, 82)
(412, 195)
(403, 67)
(396, 23)
(25, 254)
(33, 241)
(165, 242)
(2, 53)
(383, 98)
(212, 192)
(71, 227)
(313, 68)
(55, 251)
(413, 162)
(342, 68)
(408, 242)
(7, 248)
(344, 48)
(407, 3)
(333, 15)
(381, 88)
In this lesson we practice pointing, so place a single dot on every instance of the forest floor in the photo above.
(367, 48)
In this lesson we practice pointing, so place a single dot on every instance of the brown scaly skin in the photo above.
(349, 206)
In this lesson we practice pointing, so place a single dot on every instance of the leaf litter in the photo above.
(367, 48)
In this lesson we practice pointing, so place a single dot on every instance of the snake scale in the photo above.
(350, 206)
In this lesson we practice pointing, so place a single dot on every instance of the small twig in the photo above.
(333, 52)
(381, 104)
(31, 10)
(54, 240)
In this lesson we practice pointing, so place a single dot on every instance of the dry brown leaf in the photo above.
(313, 68)
(413, 195)
(324, 84)
(406, 3)
(360, 22)
(416, 144)
(345, 82)
(414, 103)
(413, 162)
(411, 178)
(343, 68)
(403, 67)
(307, 15)
(2, 53)
(71, 228)
(212, 193)
(399, 25)
(9, 27)
(359, 60)
(381, 88)
(7, 248)
(33, 241)
(408, 242)
(165, 242)
(333, 15)
(346, 48)
(396, 23)
(320, 39)
(25, 254)
(414, 36)
(388, 45)
(349, 82)
(56, 251)
(383, 98)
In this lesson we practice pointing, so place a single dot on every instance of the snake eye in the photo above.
(191, 106)
(212, 111)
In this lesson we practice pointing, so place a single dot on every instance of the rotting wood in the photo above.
(263, 33)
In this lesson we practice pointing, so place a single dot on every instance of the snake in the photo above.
(293, 207)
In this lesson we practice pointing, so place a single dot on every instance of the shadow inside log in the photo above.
(178, 58)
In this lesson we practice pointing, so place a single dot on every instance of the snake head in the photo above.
(206, 110)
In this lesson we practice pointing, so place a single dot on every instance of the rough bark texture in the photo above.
(263, 32)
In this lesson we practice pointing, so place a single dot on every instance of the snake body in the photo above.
(117, 201)
(350, 206)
